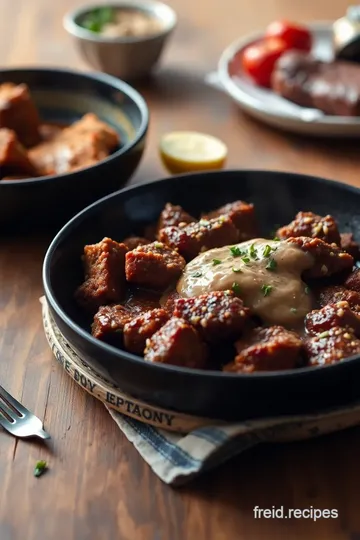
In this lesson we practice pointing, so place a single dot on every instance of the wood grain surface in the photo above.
(97, 486)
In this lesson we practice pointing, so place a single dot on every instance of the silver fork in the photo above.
(17, 420)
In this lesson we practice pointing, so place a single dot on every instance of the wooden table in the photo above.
(98, 487)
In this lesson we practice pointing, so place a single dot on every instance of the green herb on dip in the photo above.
(96, 19)
(266, 289)
(271, 265)
(236, 251)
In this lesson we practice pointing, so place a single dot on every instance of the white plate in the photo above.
(274, 110)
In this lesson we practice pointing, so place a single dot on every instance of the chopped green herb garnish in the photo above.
(267, 251)
(266, 289)
(216, 261)
(40, 468)
(197, 274)
(96, 19)
(276, 239)
(323, 335)
(237, 270)
(307, 290)
(245, 260)
(236, 251)
(271, 265)
(253, 252)
(236, 288)
(293, 310)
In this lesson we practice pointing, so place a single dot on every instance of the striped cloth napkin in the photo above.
(177, 459)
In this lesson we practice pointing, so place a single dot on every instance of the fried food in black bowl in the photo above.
(263, 326)
(66, 139)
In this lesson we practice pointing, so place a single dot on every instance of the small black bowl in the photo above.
(277, 197)
(63, 96)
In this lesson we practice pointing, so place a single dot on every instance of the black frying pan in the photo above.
(277, 197)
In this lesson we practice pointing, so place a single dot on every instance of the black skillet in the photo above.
(277, 197)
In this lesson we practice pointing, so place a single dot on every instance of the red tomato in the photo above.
(295, 36)
(258, 60)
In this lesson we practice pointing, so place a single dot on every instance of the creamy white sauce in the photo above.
(134, 23)
(276, 294)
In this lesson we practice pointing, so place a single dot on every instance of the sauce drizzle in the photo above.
(266, 274)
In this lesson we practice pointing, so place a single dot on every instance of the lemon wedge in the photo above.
(187, 151)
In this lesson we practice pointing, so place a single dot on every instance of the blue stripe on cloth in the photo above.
(211, 434)
(176, 455)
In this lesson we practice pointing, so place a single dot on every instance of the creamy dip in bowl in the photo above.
(124, 38)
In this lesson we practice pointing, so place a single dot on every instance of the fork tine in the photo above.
(12, 402)
(4, 422)
(7, 413)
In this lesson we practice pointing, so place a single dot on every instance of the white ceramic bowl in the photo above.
(124, 57)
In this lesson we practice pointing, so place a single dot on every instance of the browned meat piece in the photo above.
(109, 322)
(174, 215)
(266, 349)
(155, 266)
(133, 242)
(13, 157)
(353, 281)
(339, 314)
(176, 343)
(80, 145)
(338, 293)
(312, 226)
(200, 236)
(142, 301)
(328, 259)
(18, 112)
(242, 215)
(332, 87)
(49, 131)
(168, 301)
(216, 316)
(141, 328)
(91, 124)
(348, 244)
(104, 274)
(332, 346)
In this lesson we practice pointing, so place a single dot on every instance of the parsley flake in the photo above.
(236, 251)
(267, 251)
(216, 261)
(237, 270)
(266, 289)
(245, 260)
(97, 18)
(253, 252)
(271, 265)
(197, 274)
(40, 468)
